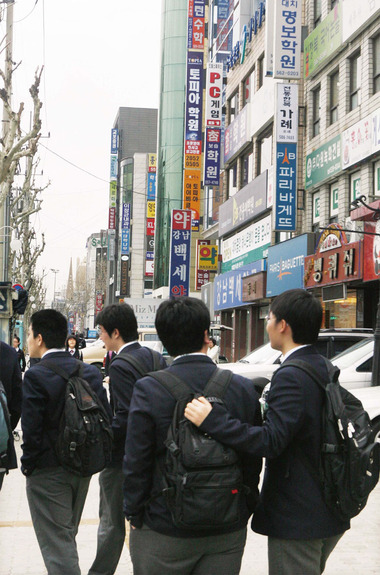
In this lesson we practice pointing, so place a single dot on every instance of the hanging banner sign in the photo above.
(287, 40)
(214, 89)
(114, 141)
(194, 91)
(192, 196)
(150, 226)
(151, 195)
(287, 113)
(113, 194)
(125, 234)
(286, 187)
(212, 157)
(150, 209)
(196, 25)
(126, 216)
(180, 242)
(112, 218)
(208, 257)
(152, 163)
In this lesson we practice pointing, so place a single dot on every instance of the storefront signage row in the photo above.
(335, 266)
(254, 238)
(324, 162)
(228, 287)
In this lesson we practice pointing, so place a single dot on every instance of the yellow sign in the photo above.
(150, 209)
(193, 161)
(113, 194)
(208, 258)
(152, 162)
(192, 195)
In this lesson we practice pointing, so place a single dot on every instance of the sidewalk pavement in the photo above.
(358, 551)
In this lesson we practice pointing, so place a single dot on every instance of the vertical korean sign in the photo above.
(287, 39)
(125, 229)
(213, 123)
(194, 107)
(113, 179)
(180, 241)
(286, 157)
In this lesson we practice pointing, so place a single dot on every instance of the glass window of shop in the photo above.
(334, 97)
(316, 95)
(344, 313)
(354, 186)
(232, 180)
(355, 80)
(376, 178)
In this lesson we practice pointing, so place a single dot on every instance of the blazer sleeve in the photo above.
(15, 402)
(283, 420)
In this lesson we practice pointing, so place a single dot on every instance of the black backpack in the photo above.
(5, 430)
(202, 479)
(349, 463)
(84, 443)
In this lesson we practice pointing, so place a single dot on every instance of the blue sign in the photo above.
(151, 186)
(114, 141)
(286, 187)
(285, 265)
(124, 242)
(228, 287)
(194, 93)
(212, 157)
(126, 217)
(179, 273)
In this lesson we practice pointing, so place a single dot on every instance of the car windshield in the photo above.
(353, 354)
(263, 354)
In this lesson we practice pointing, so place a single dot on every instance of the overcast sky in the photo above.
(97, 56)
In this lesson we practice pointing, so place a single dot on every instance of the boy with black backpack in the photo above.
(60, 393)
(301, 517)
(118, 330)
(187, 498)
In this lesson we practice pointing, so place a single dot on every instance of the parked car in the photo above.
(370, 398)
(261, 363)
(355, 364)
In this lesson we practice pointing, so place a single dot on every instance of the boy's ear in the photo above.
(206, 338)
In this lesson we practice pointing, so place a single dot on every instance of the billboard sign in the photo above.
(180, 242)
(324, 162)
(285, 265)
(212, 157)
(214, 89)
(286, 187)
(287, 40)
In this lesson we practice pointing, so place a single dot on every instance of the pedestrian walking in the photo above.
(55, 495)
(72, 346)
(291, 511)
(157, 545)
(19, 351)
(11, 378)
(118, 330)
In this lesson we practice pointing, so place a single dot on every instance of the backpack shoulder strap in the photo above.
(333, 372)
(174, 384)
(139, 365)
(60, 371)
(218, 384)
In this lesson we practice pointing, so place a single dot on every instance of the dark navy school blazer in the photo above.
(123, 377)
(150, 416)
(42, 407)
(291, 504)
(10, 375)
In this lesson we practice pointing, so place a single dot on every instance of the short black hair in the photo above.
(16, 337)
(52, 326)
(72, 336)
(119, 316)
(181, 324)
(302, 312)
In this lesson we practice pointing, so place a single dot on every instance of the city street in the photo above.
(357, 553)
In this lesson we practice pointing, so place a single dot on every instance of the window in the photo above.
(355, 73)
(232, 183)
(234, 107)
(334, 97)
(316, 111)
(376, 64)
(317, 12)
(376, 178)
(317, 207)
(246, 168)
(265, 152)
(354, 186)
(260, 71)
(334, 200)
(249, 87)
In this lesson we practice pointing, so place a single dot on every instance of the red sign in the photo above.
(98, 302)
(334, 266)
(112, 219)
(181, 220)
(371, 251)
(150, 226)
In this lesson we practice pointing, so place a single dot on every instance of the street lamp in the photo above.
(55, 277)
(376, 347)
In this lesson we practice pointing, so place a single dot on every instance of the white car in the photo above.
(260, 364)
(355, 364)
